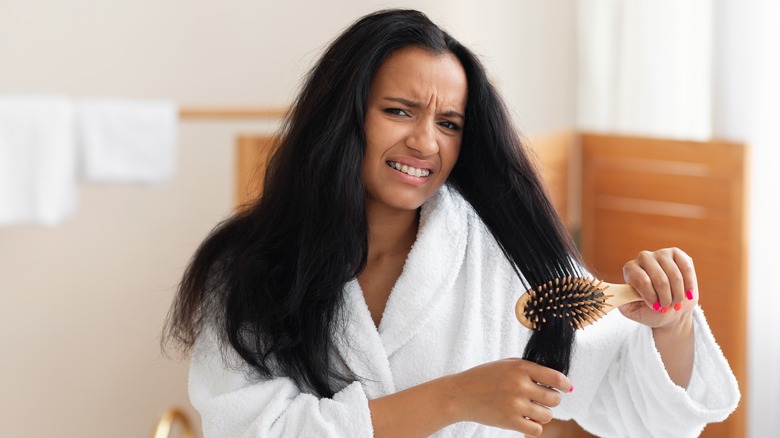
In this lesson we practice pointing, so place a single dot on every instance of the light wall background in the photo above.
(82, 305)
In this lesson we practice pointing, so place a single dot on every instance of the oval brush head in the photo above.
(577, 301)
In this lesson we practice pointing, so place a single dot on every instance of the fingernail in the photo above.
(571, 389)
(656, 306)
(665, 309)
(678, 306)
(689, 294)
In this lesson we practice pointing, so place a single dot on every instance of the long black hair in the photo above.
(270, 279)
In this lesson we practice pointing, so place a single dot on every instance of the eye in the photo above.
(449, 125)
(396, 111)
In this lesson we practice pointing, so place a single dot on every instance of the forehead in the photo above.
(419, 74)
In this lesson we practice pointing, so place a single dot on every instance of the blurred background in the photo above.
(84, 293)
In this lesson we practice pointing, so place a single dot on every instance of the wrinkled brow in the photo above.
(414, 104)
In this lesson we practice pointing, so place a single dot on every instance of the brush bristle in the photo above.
(579, 301)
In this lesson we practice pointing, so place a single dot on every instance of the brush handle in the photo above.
(621, 294)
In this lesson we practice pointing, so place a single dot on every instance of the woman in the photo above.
(371, 288)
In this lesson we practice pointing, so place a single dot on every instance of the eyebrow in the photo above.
(413, 104)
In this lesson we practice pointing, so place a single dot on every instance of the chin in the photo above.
(403, 201)
(411, 204)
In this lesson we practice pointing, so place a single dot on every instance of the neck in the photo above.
(390, 230)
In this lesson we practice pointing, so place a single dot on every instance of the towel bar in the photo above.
(231, 113)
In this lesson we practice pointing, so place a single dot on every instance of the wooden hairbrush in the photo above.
(581, 301)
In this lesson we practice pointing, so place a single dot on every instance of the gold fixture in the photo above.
(167, 420)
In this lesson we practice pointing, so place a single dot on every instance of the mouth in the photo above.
(409, 170)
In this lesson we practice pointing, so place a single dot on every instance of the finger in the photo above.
(660, 283)
(550, 378)
(528, 427)
(528, 417)
(547, 397)
(636, 276)
(688, 271)
(539, 414)
(674, 278)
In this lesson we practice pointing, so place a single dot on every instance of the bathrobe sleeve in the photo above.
(233, 405)
(637, 398)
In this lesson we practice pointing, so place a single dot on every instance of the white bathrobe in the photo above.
(451, 309)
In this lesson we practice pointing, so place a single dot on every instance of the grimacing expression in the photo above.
(413, 126)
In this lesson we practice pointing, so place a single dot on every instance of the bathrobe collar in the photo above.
(429, 272)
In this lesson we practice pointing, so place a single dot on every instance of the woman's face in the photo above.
(414, 125)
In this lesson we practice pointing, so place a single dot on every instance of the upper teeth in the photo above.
(409, 170)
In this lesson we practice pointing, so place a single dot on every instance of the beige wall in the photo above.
(82, 305)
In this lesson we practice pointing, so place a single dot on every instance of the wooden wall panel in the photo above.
(553, 154)
(252, 154)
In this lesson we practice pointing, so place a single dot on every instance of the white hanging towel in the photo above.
(37, 160)
(127, 141)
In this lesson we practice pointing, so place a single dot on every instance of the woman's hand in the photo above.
(511, 394)
(666, 279)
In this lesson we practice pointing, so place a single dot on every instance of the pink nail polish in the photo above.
(689, 294)
(656, 306)
(571, 389)
(678, 306)
(665, 309)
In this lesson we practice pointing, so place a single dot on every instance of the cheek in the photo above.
(450, 154)
(375, 136)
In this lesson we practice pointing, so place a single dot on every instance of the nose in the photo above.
(422, 139)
